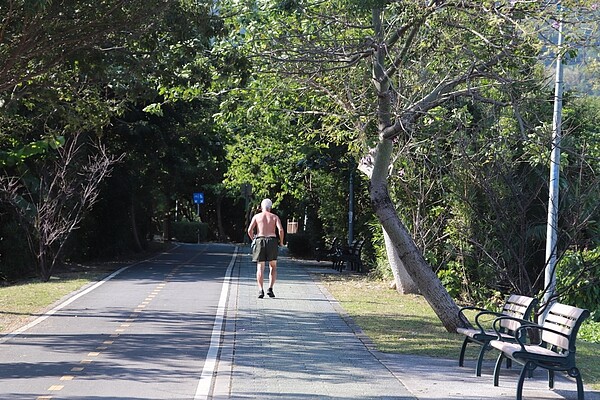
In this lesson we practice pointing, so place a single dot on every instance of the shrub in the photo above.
(189, 232)
(16, 259)
(578, 278)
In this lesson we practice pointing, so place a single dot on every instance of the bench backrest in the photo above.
(517, 306)
(357, 248)
(564, 321)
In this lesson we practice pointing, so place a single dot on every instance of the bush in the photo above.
(578, 279)
(299, 245)
(16, 259)
(189, 232)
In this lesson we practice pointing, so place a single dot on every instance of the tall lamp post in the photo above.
(552, 226)
(351, 204)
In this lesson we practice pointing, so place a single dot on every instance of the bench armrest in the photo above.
(486, 313)
(519, 332)
(464, 318)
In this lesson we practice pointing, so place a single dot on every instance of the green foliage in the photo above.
(189, 231)
(590, 332)
(16, 260)
(578, 280)
(451, 278)
(21, 153)
(152, 56)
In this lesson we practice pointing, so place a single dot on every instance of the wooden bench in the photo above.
(350, 257)
(550, 345)
(481, 331)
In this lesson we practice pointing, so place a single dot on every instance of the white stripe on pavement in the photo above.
(205, 383)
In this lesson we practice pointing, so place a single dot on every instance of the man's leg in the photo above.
(260, 267)
(272, 277)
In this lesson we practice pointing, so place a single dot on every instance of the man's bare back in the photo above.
(266, 223)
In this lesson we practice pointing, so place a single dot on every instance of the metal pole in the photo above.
(351, 206)
(552, 227)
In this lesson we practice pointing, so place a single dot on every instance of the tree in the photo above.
(53, 203)
(38, 36)
(421, 55)
(127, 72)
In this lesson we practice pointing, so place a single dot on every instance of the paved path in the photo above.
(143, 335)
(146, 334)
(300, 346)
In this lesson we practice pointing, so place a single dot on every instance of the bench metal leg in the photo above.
(484, 348)
(527, 371)
(574, 373)
(461, 357)
(497, 368)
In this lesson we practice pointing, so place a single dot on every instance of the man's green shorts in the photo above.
(265, 249)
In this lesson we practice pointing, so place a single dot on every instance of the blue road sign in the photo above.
(199, 198)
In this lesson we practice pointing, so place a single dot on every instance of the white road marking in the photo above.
(206, 379)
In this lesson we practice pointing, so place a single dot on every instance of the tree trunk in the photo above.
(220, 229)
(421, 272)
(404, 246)
(134, 229)
(404, 283)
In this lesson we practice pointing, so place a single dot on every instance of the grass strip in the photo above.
(406, 324)
(21, 302)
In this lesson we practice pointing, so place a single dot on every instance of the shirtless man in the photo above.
(266, 248)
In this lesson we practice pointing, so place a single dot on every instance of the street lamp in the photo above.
(552, 226)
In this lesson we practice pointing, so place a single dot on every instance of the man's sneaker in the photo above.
(261, 294)
(270, 292)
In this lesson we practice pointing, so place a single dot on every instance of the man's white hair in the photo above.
(266, 204)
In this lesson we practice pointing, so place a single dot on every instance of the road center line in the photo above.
(205, 383)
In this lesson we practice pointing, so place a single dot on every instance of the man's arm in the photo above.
(280, 229)
(251, 228)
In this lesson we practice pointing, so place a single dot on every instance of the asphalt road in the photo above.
(144, 333)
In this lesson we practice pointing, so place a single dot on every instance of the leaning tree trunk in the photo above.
(421, 272)
(402, 280)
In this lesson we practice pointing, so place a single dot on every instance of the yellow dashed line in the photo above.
(127, 323)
